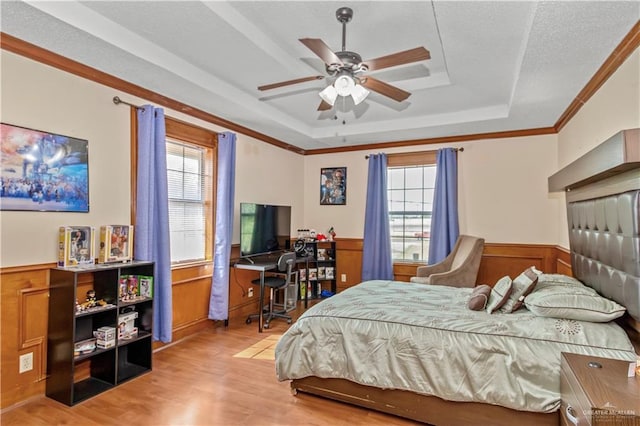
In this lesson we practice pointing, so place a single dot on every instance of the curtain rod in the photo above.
(118, 101)
(366, 157)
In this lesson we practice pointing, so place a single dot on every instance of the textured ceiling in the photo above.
(495, 66)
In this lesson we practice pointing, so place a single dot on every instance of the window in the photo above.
(190, 166)
(410, 187)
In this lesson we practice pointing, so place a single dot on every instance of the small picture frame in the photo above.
(333, 186)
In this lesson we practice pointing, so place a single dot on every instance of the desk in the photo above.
(260, 267)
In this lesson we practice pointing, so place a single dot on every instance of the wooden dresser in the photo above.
(597, 391)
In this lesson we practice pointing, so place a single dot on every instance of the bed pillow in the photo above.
(479, 298)
(546, 280)
(522, 285)
(499, 294)
(574, 303)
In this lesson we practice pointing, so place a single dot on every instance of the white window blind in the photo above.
(187, 197)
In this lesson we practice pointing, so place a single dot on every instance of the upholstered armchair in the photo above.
(458, 269)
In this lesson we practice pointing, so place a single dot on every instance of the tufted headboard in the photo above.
(603, 211)
(604, 235)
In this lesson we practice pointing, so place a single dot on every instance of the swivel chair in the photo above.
(275, 282)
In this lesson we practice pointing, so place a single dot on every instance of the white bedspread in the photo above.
(422, 338)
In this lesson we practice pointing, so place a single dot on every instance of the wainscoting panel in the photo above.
(25, 307)
(191, 291)
(348, 262)
(499, 260)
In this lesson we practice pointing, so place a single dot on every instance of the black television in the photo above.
(264, 228)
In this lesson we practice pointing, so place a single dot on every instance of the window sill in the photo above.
(187, 264)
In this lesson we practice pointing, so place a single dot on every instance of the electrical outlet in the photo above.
(343, 278)
(250, 292)
(26, 362)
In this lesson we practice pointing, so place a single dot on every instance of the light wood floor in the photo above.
(199, 382)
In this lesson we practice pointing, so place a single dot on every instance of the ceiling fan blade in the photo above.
(385, 89)
(289, 82)
(321, 49)
(400, 58)
(324, 106)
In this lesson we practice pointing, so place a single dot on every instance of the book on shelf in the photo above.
(313, 274)
(321, 272)
(302, 274)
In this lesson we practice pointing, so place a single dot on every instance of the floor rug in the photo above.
(264, 349)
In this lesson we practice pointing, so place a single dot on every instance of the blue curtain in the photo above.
(219, 301)
(151, 237)
(376, 254)
(444, 222)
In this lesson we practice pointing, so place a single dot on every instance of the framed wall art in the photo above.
(333, 186)
(42, 171)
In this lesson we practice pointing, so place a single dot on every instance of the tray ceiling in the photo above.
(495, 66)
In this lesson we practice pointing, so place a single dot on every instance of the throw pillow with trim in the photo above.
(479, 298)
(523, 284)
(499, 294)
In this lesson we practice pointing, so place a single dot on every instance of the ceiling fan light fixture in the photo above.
(344, 85)
(359, 94)
(329, 95)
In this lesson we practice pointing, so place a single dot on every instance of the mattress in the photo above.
(422, 338)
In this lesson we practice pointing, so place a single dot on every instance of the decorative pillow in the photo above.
(499, 294)
(479, 298)
(571, 302)
(522, 285)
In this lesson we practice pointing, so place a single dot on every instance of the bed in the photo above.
(417, 351)
(423, 339)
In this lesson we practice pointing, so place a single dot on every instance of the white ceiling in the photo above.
(495, 66)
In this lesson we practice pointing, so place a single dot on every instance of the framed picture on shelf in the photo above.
(333, 186)
(321, 272)
(43, 171)
(313, 274)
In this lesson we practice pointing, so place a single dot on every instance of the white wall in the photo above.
(614, 107)
(502, 190)
(44, 98)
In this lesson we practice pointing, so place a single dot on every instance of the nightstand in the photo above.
(597, 391)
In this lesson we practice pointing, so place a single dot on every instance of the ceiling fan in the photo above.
(349, 69)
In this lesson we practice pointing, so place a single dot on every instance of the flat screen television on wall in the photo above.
(264, 228)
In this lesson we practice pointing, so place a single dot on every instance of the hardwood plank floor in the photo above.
(198, 382)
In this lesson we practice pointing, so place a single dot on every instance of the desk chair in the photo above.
(276, 282)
